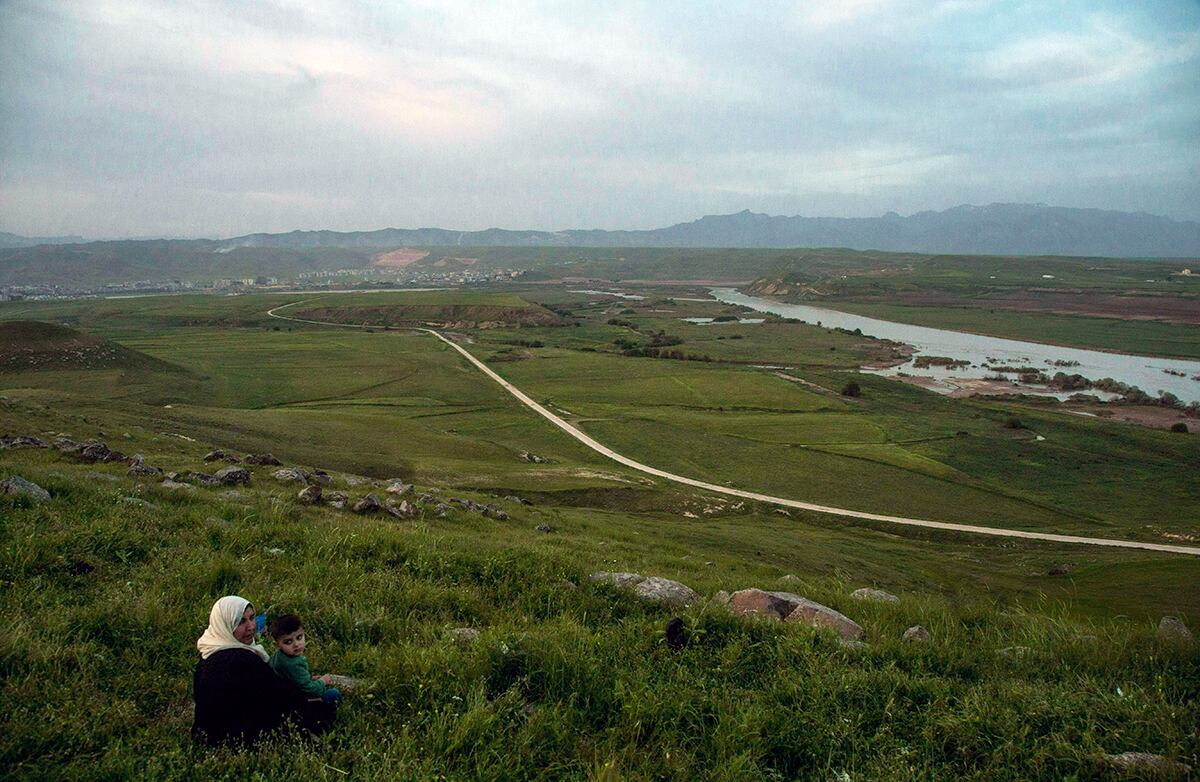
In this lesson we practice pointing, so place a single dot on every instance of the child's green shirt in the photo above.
(295, 670)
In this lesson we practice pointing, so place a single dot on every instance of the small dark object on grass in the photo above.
(1012, 422)
(676, 635)
(1180, 427)
(851, 389)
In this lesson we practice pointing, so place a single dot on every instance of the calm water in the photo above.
(1146, 372)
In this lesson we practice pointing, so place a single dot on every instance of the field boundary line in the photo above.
(756, 496)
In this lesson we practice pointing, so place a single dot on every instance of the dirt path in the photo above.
(749, 495)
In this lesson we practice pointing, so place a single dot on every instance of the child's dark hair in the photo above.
(285, 625)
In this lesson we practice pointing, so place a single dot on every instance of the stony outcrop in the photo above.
(265, 459)
(368, 504)
(401, 510)
(17, 486)
(290, 475)
(652, 588)
(320, 477)
(398, 487)
(1172, 630)
(309, 495)
(230, 476)
(143, 470)
(337, 499)
(792, 608)
(216, 456)
(877, 595)
(22, 441)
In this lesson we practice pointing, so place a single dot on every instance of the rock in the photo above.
(877, 595)
(357, 480)
(21, 441)
(1148, 764)
(1171, 629)
(173, 476)
(214, 456)
(320, 477)
(544, 527)
(721, 598)
(273, 552)
(441, 509)
(789, 578)
(278, 503)
(916, 633)
(398, 487)
(794, 609)
(426, 497)
(309, 495)
(265, 459)
(653, 588)
(202, 478)
(230, 476)
(495, 513)
(117, 456)
(337, 499)
(19, 487)
(93, 452)
(532, 458)
(170, 484)
(290, 475)
(368, 504)
(402, 510)
(1059, 569)
(464, 635)
(145, 470)
(67, 445)
(516, 499)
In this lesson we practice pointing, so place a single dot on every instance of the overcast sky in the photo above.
(135, 118)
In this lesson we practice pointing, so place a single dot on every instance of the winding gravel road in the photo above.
(749, 495)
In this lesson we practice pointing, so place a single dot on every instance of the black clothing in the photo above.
(239, 699)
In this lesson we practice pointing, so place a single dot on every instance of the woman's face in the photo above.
(244, 632)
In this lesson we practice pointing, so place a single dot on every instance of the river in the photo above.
(1149, 373)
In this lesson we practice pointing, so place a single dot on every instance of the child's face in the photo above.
(291, 644)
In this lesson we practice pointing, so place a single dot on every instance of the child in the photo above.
(290, 663)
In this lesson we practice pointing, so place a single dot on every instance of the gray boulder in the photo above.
(265, 459)
(201, 478)
(401, 510)
(368, 504)
(309, 495)
(794, 609)
(145, 471)
(652, 588)
(215, 456)
(464, 636)
(290, 475)
(916, 634)
(21, 441)
(230, 476)
(398, 487)
(170, 484)
(337, 499)
(544, 527)
(1171, 629)
(19, 487)
(877, 595)
(321, 477)
(1149, 765)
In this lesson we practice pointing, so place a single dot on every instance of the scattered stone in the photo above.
(516, 499)
(265, 459)
(544, 527)
(357, 480)
(464, 635)
(19, 487)
(1171, 629)
(145, 470)
(202, 478)
(1148, 763)
(1059, 569)
(426, 497)
(337, 499)
(721, 598)
(173, 476)
(783, 512)
(273, 552)
(402, 510)
(66, 444)
(93, 452)
(117, 456)
(230, 476)
(321, 477)
(398, 487)
(876, 595)
(532, 458)
(652, 588)
(21, 441)
(441, 509)
(794, 609)
(496, 513)
(170, 484)
(368, 504)
(290, 475)
(215, 456)
(789, 578)
(278, 503)
(916, 633)
(309, 495)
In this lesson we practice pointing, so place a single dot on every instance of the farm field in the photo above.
(569, 677)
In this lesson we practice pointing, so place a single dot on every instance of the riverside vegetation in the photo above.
(104, 586)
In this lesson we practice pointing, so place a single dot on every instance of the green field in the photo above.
(575, 681)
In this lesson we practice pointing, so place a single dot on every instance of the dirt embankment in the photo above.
(398, 259)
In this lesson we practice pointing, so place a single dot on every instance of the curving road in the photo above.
(749, 495)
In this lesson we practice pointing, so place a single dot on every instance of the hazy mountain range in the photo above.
(998, 229)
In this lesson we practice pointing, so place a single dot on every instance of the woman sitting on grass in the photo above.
(239, 698)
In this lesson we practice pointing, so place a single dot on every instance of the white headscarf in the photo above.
(227, 613)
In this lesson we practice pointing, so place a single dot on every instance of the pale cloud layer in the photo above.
(131, 117)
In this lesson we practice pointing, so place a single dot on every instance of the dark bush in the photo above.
(1180, 427)
(851, 389)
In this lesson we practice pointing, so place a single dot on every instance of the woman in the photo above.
(238, 697)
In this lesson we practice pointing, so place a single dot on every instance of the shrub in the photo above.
(1179, 427)
(851, 389)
